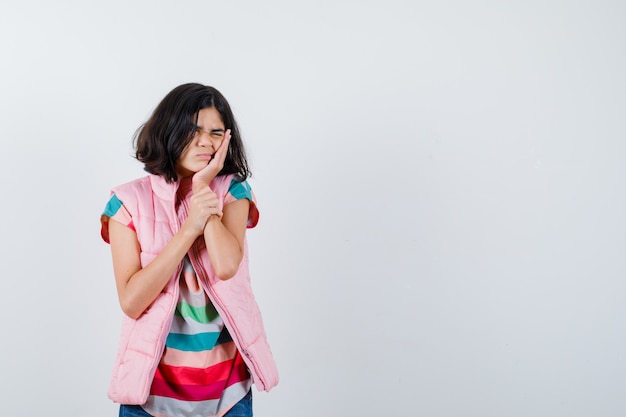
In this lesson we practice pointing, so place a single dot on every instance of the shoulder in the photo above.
(221, 182)
(228, 185)
(138, 188)
(137, 183)
(233, 189)
(241, 190)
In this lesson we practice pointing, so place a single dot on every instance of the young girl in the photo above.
(192, 341)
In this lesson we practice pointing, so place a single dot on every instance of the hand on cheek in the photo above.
(204, 177)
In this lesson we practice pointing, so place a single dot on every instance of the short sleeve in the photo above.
(238, 190)
(114, 210)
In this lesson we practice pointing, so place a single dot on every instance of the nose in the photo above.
(204, 139)
(207, 139)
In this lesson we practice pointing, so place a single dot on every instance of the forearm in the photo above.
(225, 251)
(143, 287)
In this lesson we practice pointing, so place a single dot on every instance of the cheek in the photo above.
(182, 159)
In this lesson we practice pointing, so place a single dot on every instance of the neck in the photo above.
(184, 187)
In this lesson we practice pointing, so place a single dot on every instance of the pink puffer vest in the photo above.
(151, 203)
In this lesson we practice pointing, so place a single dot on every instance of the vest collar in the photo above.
(163, 189)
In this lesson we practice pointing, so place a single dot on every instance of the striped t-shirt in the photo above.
(201, 372)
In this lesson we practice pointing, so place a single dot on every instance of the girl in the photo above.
(192, 341)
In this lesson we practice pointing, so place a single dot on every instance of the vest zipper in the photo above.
(195, 258)
(228, 321)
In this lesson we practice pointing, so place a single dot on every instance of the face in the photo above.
(208, 136)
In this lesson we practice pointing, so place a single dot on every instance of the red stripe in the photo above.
(197, 376)
(198, 392)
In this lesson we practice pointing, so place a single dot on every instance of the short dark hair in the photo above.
(161, 140)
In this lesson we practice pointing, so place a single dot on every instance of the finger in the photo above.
(221, 152)
(205, 176)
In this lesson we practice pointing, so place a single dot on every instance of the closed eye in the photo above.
(214, 133)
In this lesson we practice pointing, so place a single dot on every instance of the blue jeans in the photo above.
(242, 409)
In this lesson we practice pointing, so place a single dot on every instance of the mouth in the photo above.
(205, 156)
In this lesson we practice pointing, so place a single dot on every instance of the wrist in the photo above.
(188, 230)
(213, 219)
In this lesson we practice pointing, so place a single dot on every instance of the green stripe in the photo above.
(192, 342)
(203, 314)
(113, 206)
(240, 190)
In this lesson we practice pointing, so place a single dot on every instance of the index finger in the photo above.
(221, 152)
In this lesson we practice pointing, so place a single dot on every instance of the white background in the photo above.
(441, 187)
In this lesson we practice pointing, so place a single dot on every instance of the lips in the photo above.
(205, 156)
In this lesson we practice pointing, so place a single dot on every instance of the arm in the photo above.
(225, 230)
(138, 287)
(224, 238)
